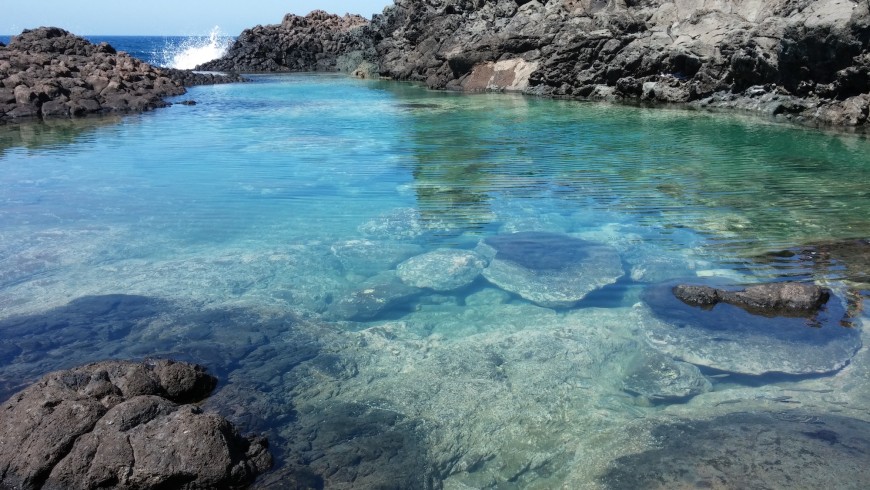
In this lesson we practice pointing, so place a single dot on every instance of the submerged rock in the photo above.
(729, 338)
(401, 224)
(781, 298)
(751, 450)
(662, 379)
(442, 270)
(371, 257)
(549, 269)
(117, 424)
(374, 297)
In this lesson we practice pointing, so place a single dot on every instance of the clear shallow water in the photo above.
(245, 232)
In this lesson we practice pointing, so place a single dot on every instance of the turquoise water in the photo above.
(261, 232)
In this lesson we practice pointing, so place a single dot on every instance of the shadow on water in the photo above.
(268, 369)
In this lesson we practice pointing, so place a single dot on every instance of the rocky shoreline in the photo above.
(806, 61)
(49, 73)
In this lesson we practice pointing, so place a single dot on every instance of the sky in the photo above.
(165, 17)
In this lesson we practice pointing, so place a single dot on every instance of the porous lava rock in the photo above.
(733, 338)
(119, 424)
(316, 42)
(50, 73)
(807, 61)
(780, 298)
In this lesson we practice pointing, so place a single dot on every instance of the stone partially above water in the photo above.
(729, 338)
(781, 298)
(442, 270)
(550, 269)
(118, 424)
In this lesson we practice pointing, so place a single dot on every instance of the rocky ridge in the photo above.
(50, 73)
(316, 42)
(802, 60)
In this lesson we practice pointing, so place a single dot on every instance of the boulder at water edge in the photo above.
(118, 424)
(730, 338)
(441, 270)
(549, 269)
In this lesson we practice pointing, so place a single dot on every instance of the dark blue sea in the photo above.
(166, 51)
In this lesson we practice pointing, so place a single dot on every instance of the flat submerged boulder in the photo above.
(118, 424)
(550, 269)
(442, 270)
(751, 450)
(731, 338)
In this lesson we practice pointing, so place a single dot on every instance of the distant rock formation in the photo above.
(117, 424)
(50, 73)
(316, 42)
(803, 60)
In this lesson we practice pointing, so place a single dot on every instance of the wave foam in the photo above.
(194, 51)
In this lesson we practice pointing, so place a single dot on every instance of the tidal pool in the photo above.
(413, 289)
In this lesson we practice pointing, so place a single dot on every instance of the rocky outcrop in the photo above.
(802, 60)
(316, 42)
(781, 298)
(50, 73)
(118, 424)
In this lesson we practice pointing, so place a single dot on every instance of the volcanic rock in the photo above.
(441, 270)
(781, 298)
(50, 73)
(751, 450)
(662, 379)
(730, 338)
(549, 269)
(316, 42)
(806, 61)
(118, 424)
(375, 296)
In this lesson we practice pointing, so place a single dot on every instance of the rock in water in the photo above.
(550, 269)
(662, 379)
(751, 450)
(729, 338)
(120, 424)
(776, 299)
(377, 295)
(441, 270)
